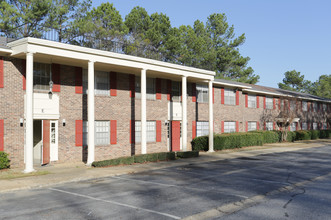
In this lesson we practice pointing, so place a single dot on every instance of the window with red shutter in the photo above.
(79, 133)
(194, 129)
(158, 83)
(194, 92)
(246, 100)
(79, 80)
(237, 97)
(113, 131)
(2, 135)
(158, 131)
(222, 95)
(113, 83)
(237, 126)
(56, 77)
(257, 101)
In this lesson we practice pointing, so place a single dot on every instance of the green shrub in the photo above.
(302, 135)
(268, 136)
(314, 134)
(4, 160)
(142, 158)
(325, 134)
(114, 162)
(187, 154)
(171, 156)
(201, 143)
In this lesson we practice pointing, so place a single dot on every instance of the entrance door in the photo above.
(46, 142)
(54, 141)
(175, 135)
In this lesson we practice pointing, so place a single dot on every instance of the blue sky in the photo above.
(281, 35)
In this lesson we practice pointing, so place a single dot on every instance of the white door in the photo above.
(54, 141)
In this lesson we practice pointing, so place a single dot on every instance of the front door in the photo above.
(175, 135)
(46, 142)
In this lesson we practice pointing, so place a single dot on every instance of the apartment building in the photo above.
(139, 105)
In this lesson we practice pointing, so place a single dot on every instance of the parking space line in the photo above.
(177, 186)
(116, 203)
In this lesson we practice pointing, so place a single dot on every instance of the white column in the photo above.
(90, 113)
(29, 114)
(184, 113)
(143, 112)
(211, 117)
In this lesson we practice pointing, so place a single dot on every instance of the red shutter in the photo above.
(132, 85)
(308, 127)
(237, 126)
(79, 133)
(237, 97)
(24, 73)
(194, 129)
(264, 102)
(1, 135)
(246, 126)
(113, 131)
(274, 103)
(113, 83)
(274, 126)
(257, 101)
(169, 90)
(158, 131)
(222, 126)
(79, 80)
(158, 88)
(194, 92)
(279, 104)
(213, 95)
(246, 100)
(264, 126)
(56, 77)
(308, 106)
(222, 95)
(1, 73)
(257, 125)
(132, 131)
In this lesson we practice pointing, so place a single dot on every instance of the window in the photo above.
(314, 126)
(202, 93)
(325, 125)
(102, 133)
(324, 107)
(202, 128)
(293, 126)
(229, 97)
(101, 82)
(229, 126)
(251, 126)
(282, 104)
(175, 91)
(315, 106)
(41, 76)
(269, 103)
(304, 126)
(269, 126)
(251, 101)
(304, 106)
(150, 131)
(150, 88)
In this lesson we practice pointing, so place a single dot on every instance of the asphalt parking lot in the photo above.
(288, 185)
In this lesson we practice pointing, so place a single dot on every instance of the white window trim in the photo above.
(229, 96)
(269, 103)
(230, 127)
(150, 88)
(252, 101)
(269, 126)
(150, 132)
(97, 78)
(96, 133)
(202, 128)
(202, 93)
(252, 126)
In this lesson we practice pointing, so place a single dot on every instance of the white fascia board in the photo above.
(266, 93)
(231, 85)
(6, 51)
(83, 53)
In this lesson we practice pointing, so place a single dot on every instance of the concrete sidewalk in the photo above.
(63, 173)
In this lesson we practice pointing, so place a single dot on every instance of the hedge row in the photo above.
(255, 138)
(4, 161)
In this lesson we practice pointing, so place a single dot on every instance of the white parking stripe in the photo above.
(115, 203)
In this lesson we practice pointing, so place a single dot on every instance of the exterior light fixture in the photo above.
(21, 122)
(64, 122)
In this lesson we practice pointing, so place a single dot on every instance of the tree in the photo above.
(62, 15)
(24, 18)
(294, 81)
(322, 87)
(229, 63)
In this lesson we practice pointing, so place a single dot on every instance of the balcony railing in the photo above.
(122, 46)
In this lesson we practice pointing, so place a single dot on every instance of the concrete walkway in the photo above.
(63, 173)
